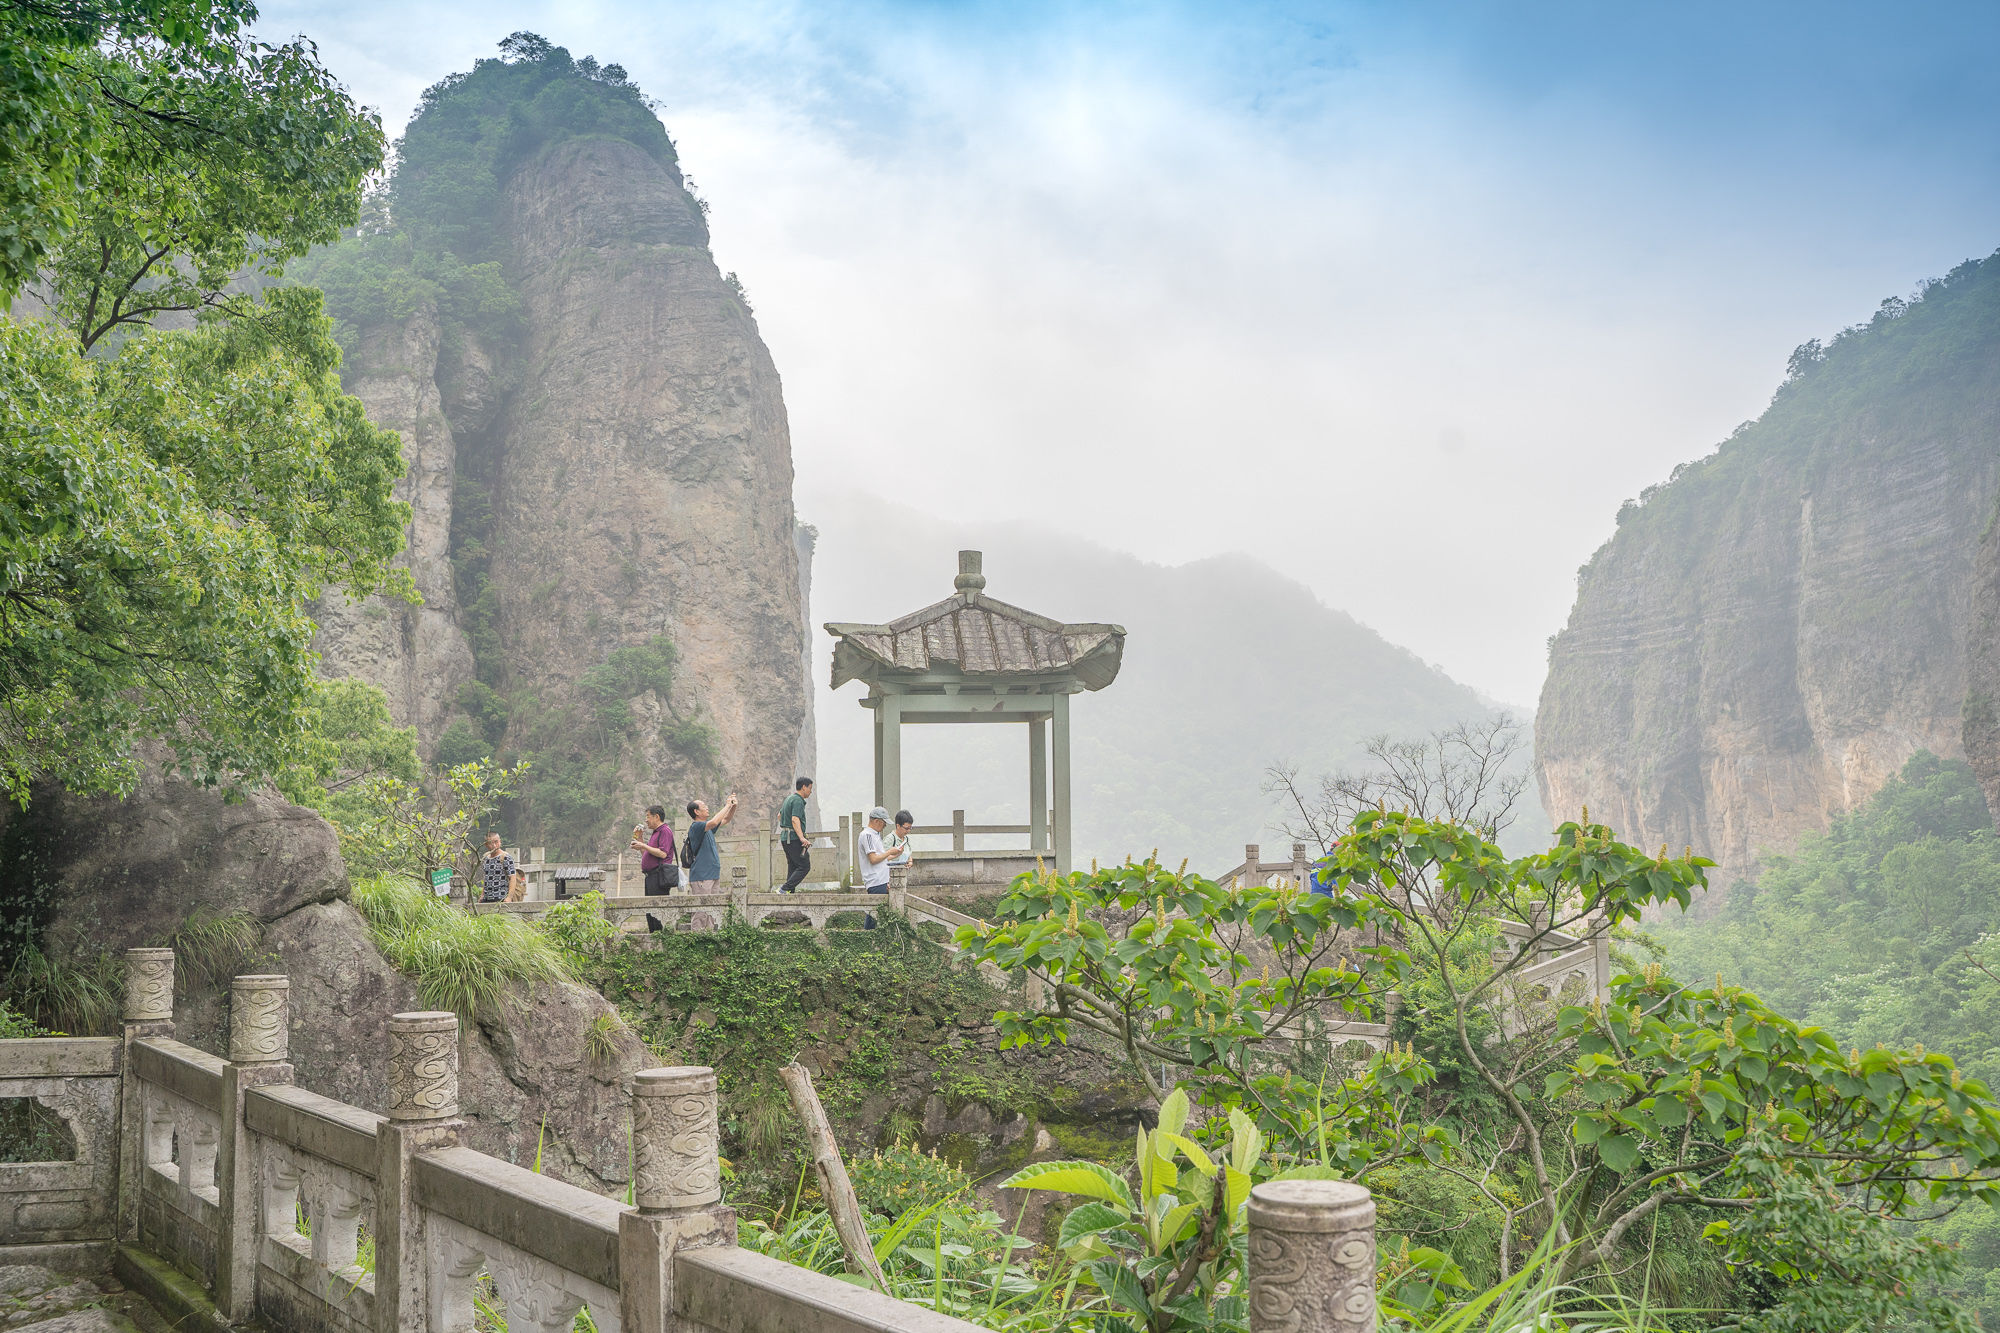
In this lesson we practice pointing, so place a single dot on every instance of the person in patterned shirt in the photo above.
(496, 872)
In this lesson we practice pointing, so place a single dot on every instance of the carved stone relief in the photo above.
(1312, 1258)
(674, 1138)
(423, 1066)
(149, 985)
(258, 1032)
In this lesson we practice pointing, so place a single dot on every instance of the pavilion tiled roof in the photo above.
(975, 635)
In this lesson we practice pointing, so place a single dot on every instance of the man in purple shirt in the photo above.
(655, 845)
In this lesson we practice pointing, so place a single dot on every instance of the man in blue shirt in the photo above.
(703, 857)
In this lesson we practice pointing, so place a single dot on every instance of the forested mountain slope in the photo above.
(1774, 631)
(601, 466)
(1229, 667)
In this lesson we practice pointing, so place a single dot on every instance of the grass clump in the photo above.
(74, 990)
(465, 963)
(211, 949)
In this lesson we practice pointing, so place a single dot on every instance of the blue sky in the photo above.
(1403, 299)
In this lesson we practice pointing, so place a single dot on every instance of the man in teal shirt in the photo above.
(792, 835)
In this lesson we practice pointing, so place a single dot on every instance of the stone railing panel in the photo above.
(65, 1201)
(312, 1281)
(532, 1292)
(321, 1126)
(566, 1226)
(190, 1074)
(179, 1203)
(732, 1290)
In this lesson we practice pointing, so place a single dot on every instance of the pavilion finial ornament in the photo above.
(969, 579)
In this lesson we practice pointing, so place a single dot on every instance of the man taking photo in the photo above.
(654, 841)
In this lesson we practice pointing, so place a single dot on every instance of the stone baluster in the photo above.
(1253, 865)
(1538, 924)
(677, 1184)
(899, 888)
(1301, 867)
(259, 1044)
(1312, 1257)
(149, 1015)
(423, 1117)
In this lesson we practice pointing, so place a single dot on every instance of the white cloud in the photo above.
(1344, 299)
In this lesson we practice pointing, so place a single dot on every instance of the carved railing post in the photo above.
(423, 1116)
(259, 1042)
(677, 1183)
(899, 888)
(1312, 1257)
(149, 1014)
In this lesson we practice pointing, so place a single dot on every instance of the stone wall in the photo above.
(219, 1162)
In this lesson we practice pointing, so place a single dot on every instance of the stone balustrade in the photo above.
(227, 1177)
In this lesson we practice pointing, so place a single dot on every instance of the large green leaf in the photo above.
(1085, 1178)
(1194, 1151)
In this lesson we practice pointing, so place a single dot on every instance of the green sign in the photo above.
(440, 878)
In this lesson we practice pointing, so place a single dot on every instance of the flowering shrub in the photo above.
(902, 1178)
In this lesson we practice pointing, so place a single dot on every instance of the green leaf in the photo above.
(1089, 1219)
(1121, 1284)
(1196, 1154)
(1173, 1113)
(1620, 1152)
(1177, 1218)
(1238, 1187)
(1086, 1178)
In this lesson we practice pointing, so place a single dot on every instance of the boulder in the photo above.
(130, 873)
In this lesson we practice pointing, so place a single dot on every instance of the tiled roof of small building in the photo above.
(972, 633)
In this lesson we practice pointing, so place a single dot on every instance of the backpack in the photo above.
(687, 846)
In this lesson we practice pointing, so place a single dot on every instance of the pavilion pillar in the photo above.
(1059, 722)
(880, 706)
(889, 767)
(1038, 785)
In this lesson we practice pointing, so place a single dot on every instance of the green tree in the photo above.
(164, 517)
(153, 152)
(352, 738)
(166, 513)
(1658, 1098)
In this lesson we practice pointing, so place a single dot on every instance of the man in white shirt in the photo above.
(874, 856)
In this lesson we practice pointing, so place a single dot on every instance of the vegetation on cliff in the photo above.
(1884, 930)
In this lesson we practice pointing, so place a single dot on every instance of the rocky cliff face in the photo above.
(418, 655)
(646, 474)
(1982, 667)
(1771, 634)
(601, 479)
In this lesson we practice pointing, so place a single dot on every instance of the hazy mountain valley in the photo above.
(504, 392)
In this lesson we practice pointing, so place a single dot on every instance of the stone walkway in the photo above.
(37, 1300)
